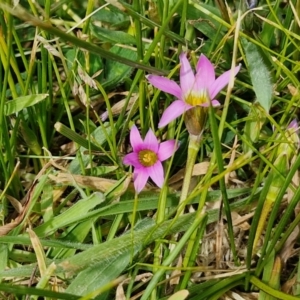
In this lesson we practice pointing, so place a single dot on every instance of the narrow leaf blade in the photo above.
(20, 103)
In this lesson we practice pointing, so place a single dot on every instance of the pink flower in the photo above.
(147, 156)
(195, 90)
(293, 133)
(289, 143)
(294, 125)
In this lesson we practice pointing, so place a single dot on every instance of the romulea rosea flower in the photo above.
(147, 157)
(195, 92)
(292, 144)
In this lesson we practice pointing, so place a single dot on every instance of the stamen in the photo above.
(147, 158)
(198, 98)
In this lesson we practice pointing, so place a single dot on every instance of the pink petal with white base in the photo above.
(132, 159)
(140, 178)
(214, 103)
(166, 150)
(150, 141)
(293, 124)
(156, 172)
(176, 109)
(165, 84)
(135, 139)
(104, 116)
(205, 75)
(221, 82)
(187, 77)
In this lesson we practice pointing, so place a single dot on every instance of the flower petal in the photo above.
(293, 124)
(214, 103)
(140, 178)
(205, 76)
(156, 172)
(187, 77)
(104, 116)
(135, 139)
(221, 82)
(173, 111)
(166, 149)
(132, 159)
(205, 104)
(151, 142)
(165, 84)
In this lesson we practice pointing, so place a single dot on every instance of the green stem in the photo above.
(193, 149)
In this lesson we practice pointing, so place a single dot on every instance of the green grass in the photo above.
(72, 226)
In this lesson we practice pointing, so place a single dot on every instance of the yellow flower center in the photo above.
(147, 158)
(198, 98)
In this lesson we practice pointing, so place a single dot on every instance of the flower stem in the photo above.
(193, 149)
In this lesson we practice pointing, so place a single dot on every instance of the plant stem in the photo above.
(193, 149)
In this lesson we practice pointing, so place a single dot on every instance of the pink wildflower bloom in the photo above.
(147, 156)
(294, 125)
(195, 90)
(293, 132)
(289, 142)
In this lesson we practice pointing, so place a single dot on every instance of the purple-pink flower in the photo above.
(195, 89)
(294, 125)
(293, 133)
(147, 156)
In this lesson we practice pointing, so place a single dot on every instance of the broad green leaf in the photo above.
(17, 104)
(115, 72)
(95, 63)
(99, 274)
(259, 74)
(77, 234)
(113, 16)
(107, 251)
(100, 134)
(112, 36)
(18, 272)
(105, 262)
